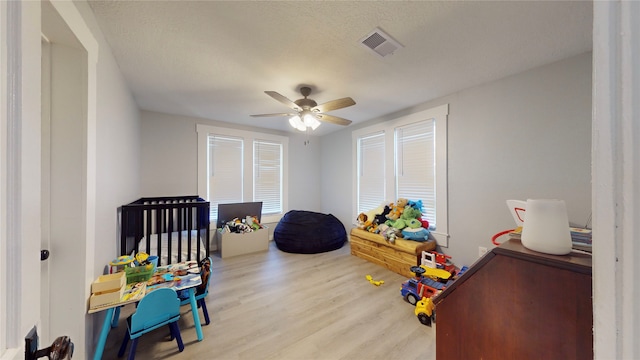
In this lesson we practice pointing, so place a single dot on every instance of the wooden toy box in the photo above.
(232, 244)
(398, 257)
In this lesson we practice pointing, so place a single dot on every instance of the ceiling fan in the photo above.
(308, 113)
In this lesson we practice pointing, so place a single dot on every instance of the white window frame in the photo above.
(439, 114)
(248, 165)
(3, 178)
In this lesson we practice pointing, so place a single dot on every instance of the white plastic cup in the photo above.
(546, 228)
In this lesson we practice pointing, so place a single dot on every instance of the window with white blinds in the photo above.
(267, 176)
(371, 171)
(226, 156)
(415, 166)
(242, 166)
(404, 158)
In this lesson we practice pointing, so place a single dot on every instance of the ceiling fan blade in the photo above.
(334, 105)
(271, 115)
(283, 100)
(333, 119)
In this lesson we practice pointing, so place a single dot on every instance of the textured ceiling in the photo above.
(215, 59)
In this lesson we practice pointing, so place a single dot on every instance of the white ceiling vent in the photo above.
(380, 43)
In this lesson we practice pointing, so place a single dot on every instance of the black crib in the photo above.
(173, 228)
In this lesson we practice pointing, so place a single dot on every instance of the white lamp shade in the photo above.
(546, 227)
(311, 121)
(297, 123)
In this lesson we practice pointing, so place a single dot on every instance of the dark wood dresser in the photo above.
(515, 303)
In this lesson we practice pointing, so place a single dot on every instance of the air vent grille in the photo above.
(380, 43)
(374, 40)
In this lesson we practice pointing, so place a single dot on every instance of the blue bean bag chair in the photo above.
(307, 232)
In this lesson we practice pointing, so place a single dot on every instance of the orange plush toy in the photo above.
(363, 221)
(397, 209)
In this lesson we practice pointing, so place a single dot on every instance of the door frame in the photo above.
(20, 162)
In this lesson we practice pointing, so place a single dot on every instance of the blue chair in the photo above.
(156, 309)
(202, 291)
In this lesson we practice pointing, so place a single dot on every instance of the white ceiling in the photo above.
(215, 59)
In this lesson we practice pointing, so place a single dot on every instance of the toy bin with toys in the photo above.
(239, 230)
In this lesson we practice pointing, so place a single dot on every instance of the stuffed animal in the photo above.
(365, 224)
(373, 227)
(388, 233)
(415, 204)
(397, 209)
(413, 223)
(397, 224)
(391, 235)
(253, 222)
(237, 226)
(362, 221)
(420, 234)
(372, 214)
(424, 222)
(382, 217)
(410, 215)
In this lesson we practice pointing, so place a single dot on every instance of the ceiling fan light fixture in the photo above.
(310, 120)
(308, 114)
(315, 124)
(297, 123)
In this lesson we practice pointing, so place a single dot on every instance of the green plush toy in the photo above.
(413, 223)
(411, 217)
(397, 224)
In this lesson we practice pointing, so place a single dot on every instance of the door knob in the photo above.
(61, 349)
(44, 255)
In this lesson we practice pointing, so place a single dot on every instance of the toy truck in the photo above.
(420, 287)
(424, 311)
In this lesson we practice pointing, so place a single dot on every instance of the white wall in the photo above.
(524, 136)
(118, 144)
(117, 159)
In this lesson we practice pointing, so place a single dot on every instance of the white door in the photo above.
(63, 189)
(45, 185)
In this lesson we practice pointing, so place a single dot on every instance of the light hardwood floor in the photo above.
(276, 305)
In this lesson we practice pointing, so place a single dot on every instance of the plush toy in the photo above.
(410, 213)
(415, 204)
(397, 224)
(362, 221)
(397, 209)
(372, 214)
(382, 217)
(253, 222)
(424, 222)
(373, 227)
(237, 226)
(413, 223)
(388, 233)
(420, 234)
(365, 224)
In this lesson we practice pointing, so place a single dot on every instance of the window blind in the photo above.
(371, 171)
(225, 172)
(415, 165)
(267, 176)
